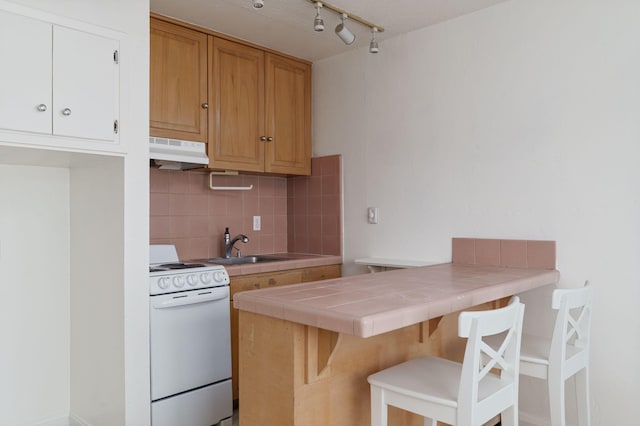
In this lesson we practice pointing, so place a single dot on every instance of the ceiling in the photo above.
(287, 25)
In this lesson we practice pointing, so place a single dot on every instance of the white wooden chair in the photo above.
(565, 354)
(466, 394)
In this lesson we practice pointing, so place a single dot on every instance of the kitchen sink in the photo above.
(242, 260)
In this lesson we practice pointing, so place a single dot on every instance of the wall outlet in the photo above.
(372, 215)
(256, 223)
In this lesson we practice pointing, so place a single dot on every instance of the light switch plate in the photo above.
(256, 223)
(372, 215)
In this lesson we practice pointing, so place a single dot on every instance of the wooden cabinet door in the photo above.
(266, 280)
(288, 116)
(25, 74)
(85, 85)
(178, 82)
(236, 118)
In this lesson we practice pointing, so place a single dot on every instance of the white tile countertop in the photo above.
(370, 304)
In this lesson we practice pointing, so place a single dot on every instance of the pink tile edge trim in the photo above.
(533, 254)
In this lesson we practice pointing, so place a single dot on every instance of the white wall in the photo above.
(519, 121)
(34, 283)
(130, 17)
(97, 293)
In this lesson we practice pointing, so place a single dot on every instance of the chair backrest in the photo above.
(573, 324)
(480, 359)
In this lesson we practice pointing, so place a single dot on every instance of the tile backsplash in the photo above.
(315, 208)
(511, 253)
(298, 214)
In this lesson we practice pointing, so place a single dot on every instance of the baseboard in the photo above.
(63, 421)
(58, 421)
(529, 419)
(77, 421)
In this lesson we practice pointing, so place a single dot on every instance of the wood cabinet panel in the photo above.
(265, 280)
(259, 103)
(178, 82)
(321, 273)
(288, 112)
(236, 90)
(272, 279)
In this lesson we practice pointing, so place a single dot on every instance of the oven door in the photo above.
(190, 340)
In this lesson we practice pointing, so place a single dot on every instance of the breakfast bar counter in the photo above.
(306, 350)
(371, 304)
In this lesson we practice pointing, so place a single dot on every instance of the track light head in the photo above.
(344, 33)
(257, 4)
(373, 46)
(318, 23)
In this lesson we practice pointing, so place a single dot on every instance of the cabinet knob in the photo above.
(205, 105)
(42, 107)
(263, 138)
(269, 139)
(66, 112)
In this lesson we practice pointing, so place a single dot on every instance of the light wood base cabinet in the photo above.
(292, 374)
(266, 280)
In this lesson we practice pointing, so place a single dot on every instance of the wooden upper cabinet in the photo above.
(236, 90)
(178, 82)
(258, 104)
(260, 120)
(288, 116)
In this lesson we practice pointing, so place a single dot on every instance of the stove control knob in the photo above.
(205, 277)
(192, 280)
(218, 277)
(164, 282)
(178, 281)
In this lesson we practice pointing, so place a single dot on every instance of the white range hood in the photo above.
(174, 154)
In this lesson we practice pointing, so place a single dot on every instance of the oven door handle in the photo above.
(191, 300)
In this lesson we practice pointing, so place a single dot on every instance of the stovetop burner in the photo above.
(180, 265)
(174, 266)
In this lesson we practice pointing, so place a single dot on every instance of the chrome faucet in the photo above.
(230, 243)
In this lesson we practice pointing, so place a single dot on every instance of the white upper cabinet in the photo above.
(85, 85)
(58, 81)
(25, 74)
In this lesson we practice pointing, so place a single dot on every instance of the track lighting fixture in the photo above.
(343, 32)
(373, 46)
(318, 23)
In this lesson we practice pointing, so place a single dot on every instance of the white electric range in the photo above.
(190, 341)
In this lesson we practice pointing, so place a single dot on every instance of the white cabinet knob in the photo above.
(66, 112)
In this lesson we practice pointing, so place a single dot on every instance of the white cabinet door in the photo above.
(85, 85)
(25, 74)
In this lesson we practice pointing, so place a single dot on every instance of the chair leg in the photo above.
(582, 397)
(430, 422)
(556, 399)
(378, 407)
